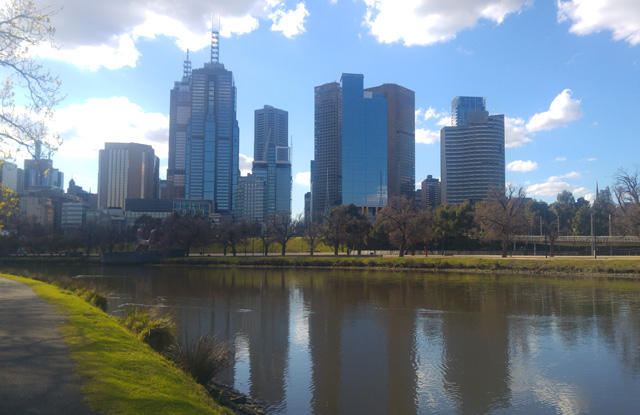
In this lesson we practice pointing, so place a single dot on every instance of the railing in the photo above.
(581, 240)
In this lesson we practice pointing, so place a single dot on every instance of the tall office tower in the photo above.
(205, 114)
(327, 158)
(364, 145)
(460, 106)
(40, 173)
(9, 175)
(471, 152)
(430, 193)
(127, 171)
(179, 114)
(307, 206)
(249, 199)
(401, 138)
(271, 127)
(272, 161)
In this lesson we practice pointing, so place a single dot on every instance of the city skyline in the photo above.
(564, 75)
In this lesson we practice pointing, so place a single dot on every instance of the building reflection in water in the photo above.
(326, 342)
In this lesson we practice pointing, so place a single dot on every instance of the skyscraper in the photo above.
(401, 138)
(472, 152)
(126, 171)
(272, 160)
(429, 193)
(327, 161)
(364, 145)
(203, 107)
(179, 114)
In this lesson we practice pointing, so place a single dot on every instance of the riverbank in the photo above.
(628, 267)
(120, 374)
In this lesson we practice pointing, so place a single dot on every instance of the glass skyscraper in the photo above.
(212, 133)
(472, 152)
(364, 144)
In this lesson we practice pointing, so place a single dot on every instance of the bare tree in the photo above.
(406, 224)
(311, 234)
(185, 232)
(626, 188)
(23, 27)
(335, 230)
(281, 228)
(503, 215)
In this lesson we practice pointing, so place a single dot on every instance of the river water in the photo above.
(373, 342)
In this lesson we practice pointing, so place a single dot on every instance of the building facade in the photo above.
(472, 158)
(212, 135)
(271, 128)
(41, 174)
(127, 171)
(429, 193)
(249, 199)
(401, 138)
(326, 175)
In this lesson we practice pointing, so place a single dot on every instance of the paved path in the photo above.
(36, 371)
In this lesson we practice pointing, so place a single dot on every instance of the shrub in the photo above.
(152, 326)
(203, 359)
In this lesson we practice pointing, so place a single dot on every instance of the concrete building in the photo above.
(155, 208)
(430, 193)
(249, 199)
(127, 171)
(73, 215)
(38, 210)
(471, 152)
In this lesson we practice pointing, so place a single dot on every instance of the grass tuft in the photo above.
(203, 359)
(150, 325)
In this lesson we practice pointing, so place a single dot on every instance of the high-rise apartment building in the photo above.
(203, 108)
(327, 159)
(127, 171)
(364, 145)
(249, 199)
(401, 138)
(471, 152)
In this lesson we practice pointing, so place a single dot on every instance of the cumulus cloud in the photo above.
(426, 136)
(515, 133)
(621, 17)
(289, 22)
(424, 22)
(244, 164)
(86, 127)
(105, 34)
(304, 178)
(423, 117)
(554, 185)
(522, 166)
(563, 110)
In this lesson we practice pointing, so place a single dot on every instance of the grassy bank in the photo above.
(121, 375)
(615, 267)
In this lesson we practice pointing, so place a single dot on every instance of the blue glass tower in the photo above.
(212, 135)
(364, 145)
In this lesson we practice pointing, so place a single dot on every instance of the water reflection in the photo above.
(325, 342)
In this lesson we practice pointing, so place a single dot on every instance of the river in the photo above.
(386, 342)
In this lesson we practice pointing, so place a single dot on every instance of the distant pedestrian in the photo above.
(426, 252)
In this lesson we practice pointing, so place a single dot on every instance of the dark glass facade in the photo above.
(364, 144)
(271, 127)
(460, 106)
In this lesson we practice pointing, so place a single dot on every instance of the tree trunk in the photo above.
(335, 249)
(551, 247)
(284, 248)
(403, 247)
(311, 251)
(505, 248)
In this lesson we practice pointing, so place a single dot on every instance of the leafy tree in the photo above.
(541, 217)
(230, 234)
(564, 209)
(335, 229)
(453, 223)
(502, 216)
(357, 229)
(406, 224)
(24, 26)
(8, 203)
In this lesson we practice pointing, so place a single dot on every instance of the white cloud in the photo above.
(522, 166)
(426, 136)
(86, 127)
(554, 185)
(105, 34)
(592, 159)
(424, 22)
(445, 121)
(289, 22)
(563, 110)
(304, 178)
(561, 159)
(515, 133)
(244, 164)
(621, 17)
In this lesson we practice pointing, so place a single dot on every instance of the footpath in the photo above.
(36, 372)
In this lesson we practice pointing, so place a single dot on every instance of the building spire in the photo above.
(186, 67)
(215, 41)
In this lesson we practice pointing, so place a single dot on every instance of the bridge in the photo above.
(580, 240)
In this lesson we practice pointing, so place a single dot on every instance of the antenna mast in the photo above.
(186, 67)
(215, 41)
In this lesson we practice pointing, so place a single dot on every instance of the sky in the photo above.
(566, 75)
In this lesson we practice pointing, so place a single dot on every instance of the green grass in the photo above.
(121, 375)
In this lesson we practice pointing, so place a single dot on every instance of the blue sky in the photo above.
(565, 74)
